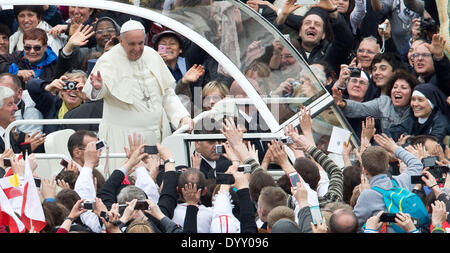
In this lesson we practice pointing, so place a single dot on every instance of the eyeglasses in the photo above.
(423, 55)
(362, 51)
(35, 48)
(109, 30)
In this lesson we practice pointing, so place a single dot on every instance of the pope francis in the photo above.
(136, 87)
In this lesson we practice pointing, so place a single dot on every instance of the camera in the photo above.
(287, 140)
(427, 24)
(89, 205)
(355, 72)
(382, 27)
(436, 171)
(246, 168)
(295, 84)
(429, 161)
(70, 85)
(220, 149)
(100, 144)
(151, 150)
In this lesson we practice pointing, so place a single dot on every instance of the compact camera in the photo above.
(89, 205)
(70, 85)
(287, 140)
(382, 27)
(355, 72)
(428, 24)
(220, 149)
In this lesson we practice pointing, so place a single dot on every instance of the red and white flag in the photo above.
(32, 213)
(12, 191)
(8, 217)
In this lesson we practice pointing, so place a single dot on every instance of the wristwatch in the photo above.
(170, 160)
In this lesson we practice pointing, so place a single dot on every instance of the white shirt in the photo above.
(85, 187)
(146, 183)
(204, 217)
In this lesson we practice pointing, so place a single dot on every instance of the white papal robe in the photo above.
(125, 85)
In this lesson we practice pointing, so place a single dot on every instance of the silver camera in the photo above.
(88, 205)
(382, 27)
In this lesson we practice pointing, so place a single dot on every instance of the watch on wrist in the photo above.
(170, 160)
(437, 226)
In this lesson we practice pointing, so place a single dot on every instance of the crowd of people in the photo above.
(384, 62)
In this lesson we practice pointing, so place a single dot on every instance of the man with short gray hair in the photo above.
(7, 111)
(25, 105)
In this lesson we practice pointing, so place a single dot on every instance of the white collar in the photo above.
(211, 163)
(422, 120)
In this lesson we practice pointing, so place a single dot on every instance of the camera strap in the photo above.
(382, 47)
(106, 168)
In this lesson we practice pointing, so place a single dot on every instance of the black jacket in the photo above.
(46, 102)
(222, 165)
(335, 52)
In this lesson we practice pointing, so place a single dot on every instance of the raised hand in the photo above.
(387, 32)
(437, 46)
(96, 80)
(304, 117)
(385, 142)
(196, 160)
(79, 38)
(134, 141)
(368, 128)
(337, 96)
(35, 140)
(439, 213)
(193, 74)
(190, 194)
(232, 133)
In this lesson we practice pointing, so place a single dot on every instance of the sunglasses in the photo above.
(35, 48)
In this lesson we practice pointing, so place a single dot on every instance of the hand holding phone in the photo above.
(162, 49)
(100, 144)
(7, 162)
(294, 178)
(141, 205)
(388, 217)
(316, 214)
(151, 150)
(224, 178)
